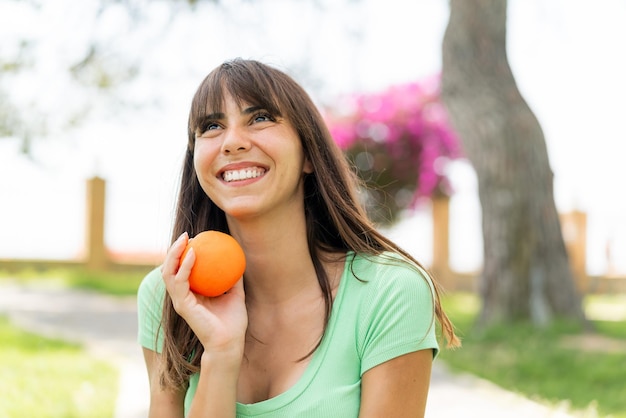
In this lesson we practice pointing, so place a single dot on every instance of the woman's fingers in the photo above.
(172, 258)
(172, 268)
(180, 285)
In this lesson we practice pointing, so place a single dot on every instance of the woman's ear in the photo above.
(308, 167)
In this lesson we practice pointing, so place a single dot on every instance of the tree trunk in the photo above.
(526, 273)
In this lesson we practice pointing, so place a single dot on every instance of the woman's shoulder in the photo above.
(394, 301)
(151, 285)
(388, 269)
(149, 310)
(387, 278)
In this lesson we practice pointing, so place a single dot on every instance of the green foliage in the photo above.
(538, 364)
(112, 283)
(116, 283)
(41, 377)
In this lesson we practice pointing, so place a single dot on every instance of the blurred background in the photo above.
(94, 96)
(102, 88)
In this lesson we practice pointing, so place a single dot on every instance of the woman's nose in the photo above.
(235, 140)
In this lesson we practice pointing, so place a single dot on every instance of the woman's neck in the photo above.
(278, 262)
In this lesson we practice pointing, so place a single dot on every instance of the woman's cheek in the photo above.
(204, 155)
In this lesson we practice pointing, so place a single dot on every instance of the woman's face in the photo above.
(250, 162)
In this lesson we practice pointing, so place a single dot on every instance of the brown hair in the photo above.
(335, 220)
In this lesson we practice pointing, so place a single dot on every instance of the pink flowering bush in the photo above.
(399, 141)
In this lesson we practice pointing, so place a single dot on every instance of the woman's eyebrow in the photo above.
(250, 110)
(213, 116)
(220, 115)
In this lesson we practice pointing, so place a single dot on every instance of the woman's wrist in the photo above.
(222, 361)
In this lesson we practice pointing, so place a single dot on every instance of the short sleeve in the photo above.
(149, 309)
(397, 315)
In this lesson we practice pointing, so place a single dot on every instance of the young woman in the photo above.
(330, 319)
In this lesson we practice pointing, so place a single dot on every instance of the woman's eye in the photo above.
(207, 129)
(263, 117)
(209, 126)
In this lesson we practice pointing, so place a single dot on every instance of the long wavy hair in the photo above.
(335, 220)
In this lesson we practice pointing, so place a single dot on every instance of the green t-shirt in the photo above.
(383, 309)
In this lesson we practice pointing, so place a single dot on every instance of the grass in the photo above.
(112, 283)
(535, 362)
(42, 377)
(122, 283)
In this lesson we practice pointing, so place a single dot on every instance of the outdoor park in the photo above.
(489, 148)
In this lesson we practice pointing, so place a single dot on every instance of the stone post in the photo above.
(97, 258)
(574, 226)
(441, 242)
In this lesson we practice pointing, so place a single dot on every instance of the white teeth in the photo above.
(244, 174)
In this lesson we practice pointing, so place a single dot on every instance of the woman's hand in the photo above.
(219, 322)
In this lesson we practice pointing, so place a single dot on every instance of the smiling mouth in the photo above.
(243, 174)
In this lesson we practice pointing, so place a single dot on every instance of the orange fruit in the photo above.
(220, 263)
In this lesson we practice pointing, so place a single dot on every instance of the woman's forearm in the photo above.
(216, 396)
